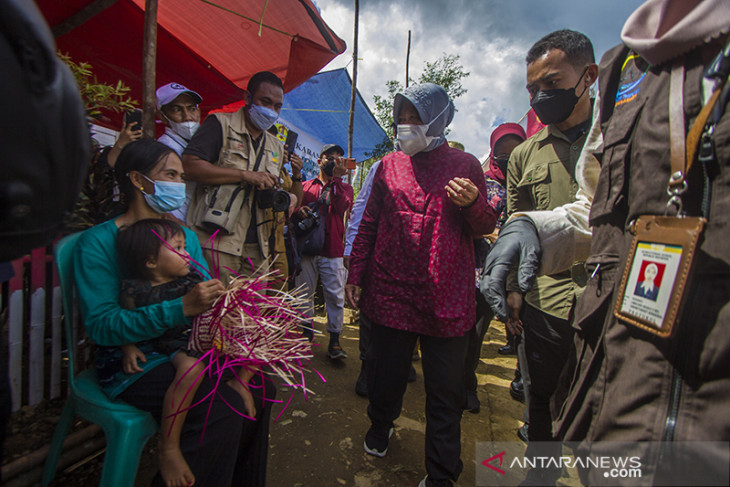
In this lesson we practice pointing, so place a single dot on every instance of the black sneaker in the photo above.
(376, 441)
(507, 350)
(426, 482)
(523, 434)
(517, 390)
(336, 352)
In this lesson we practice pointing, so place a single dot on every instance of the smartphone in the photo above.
(133, 118)
(350, 163)
(291, 142)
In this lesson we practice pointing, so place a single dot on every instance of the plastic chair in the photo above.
(126, 428)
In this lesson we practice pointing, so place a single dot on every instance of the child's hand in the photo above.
(514, 323)
(200, 298)
(130, 355)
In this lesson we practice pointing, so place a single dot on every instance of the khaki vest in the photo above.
(237, 152)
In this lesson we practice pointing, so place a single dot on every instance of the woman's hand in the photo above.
(126, 135)
(352, 293)
(201, 297)
(130, 354)
(462, 192)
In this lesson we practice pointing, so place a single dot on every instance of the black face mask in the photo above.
(329, 168)
(554, 106)
(501, 163)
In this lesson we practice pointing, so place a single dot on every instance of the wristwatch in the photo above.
(297, 179)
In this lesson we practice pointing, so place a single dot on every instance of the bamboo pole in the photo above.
(36, 458)
(149, 63)
(408, 56)
(353, 94)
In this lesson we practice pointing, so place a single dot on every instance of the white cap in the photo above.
(167, 93)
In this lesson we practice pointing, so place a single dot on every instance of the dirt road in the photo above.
(319, 442)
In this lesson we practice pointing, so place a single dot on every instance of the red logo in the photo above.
(487, 463)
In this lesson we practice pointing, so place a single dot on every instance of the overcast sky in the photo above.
(491, 36)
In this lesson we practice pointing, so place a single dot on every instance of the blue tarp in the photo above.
(321, 107)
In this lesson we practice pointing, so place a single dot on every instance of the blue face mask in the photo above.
(263, 117)
(168, 196)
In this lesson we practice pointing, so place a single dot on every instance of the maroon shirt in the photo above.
(414, 253)
(341, 197)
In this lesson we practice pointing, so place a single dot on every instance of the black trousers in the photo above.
(547, 344)
(388, 361)
(221, 447)
(476, 337)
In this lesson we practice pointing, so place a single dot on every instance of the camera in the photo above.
(274, 198)
(308, 222)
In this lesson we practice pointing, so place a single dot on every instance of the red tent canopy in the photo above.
(212, 47)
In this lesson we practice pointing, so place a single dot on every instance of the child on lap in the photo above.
(153, 251)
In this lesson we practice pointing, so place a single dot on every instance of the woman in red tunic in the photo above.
(412, 275)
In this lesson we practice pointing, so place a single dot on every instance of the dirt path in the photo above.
(319, 442)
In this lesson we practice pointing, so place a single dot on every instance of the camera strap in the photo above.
(259, 156)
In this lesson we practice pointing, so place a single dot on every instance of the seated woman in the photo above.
(233, 449)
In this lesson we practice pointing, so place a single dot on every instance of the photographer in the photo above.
(236, 159)
(333, 197)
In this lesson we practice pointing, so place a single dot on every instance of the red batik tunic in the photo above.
(414, 254)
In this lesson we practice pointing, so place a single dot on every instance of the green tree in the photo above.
(446, 71)
(98, 96)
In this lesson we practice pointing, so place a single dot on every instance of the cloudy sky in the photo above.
(491, 36)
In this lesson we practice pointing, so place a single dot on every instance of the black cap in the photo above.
(329, 147)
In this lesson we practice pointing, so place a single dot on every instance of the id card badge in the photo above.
(657, 272)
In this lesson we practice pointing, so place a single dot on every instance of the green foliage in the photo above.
(446, 72)
(97, 96)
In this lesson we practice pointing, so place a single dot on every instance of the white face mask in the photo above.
(186, 130)
(412, 139)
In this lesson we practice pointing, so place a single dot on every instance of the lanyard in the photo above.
(681, 160)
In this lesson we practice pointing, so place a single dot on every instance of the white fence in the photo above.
(33, 333)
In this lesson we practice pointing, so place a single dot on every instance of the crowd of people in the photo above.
(597, 241)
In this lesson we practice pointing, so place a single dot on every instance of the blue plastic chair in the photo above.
(126, 428)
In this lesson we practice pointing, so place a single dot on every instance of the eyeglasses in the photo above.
(181, 109)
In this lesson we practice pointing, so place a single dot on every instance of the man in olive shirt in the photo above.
(541, 176)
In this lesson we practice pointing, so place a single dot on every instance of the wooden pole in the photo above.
(149, 63)
(408, 56)
(353, 94)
